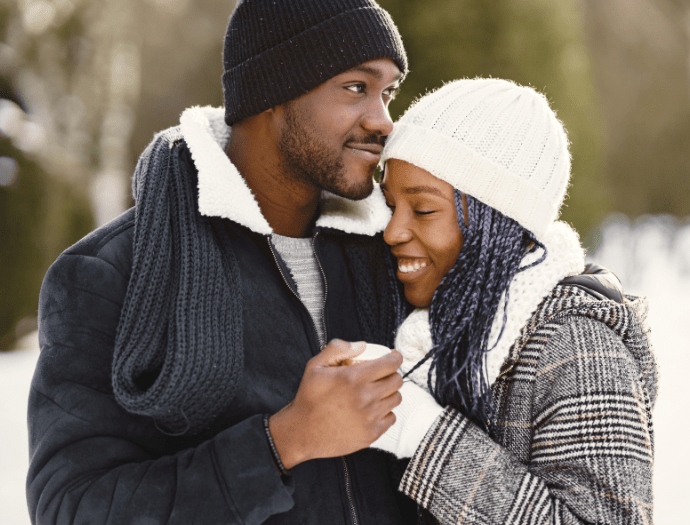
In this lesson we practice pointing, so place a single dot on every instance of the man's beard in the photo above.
(310, 160)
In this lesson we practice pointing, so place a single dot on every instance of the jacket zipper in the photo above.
(325, 289)
(348, 490)
(325, 292)
(346, 470)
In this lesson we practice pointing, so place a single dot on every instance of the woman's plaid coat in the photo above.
(571, 440)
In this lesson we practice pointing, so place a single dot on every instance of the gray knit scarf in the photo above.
(178, 349)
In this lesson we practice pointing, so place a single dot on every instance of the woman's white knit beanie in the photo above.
(494, 140)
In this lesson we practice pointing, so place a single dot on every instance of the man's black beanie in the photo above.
(277, 50)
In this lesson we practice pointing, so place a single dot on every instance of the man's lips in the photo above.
(370, 152)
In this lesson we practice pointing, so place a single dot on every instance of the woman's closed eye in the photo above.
(422, 212)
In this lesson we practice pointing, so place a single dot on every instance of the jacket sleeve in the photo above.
(93, 462)
(590, 453)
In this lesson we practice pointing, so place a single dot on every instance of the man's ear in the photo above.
(261, 122)
(271, 120)
(271, 115)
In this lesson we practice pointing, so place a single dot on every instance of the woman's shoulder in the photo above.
(576, 330)
(595, 293)
(568, 302)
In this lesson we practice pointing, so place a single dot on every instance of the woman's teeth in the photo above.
(411, 267)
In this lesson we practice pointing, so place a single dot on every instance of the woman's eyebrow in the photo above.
(423, 189)
(414, 190)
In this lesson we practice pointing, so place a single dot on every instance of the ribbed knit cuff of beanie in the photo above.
(414, 417)
(275, 51)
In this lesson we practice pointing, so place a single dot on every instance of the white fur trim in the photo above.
(222, 190)
(366, 217)
(224, 193)
(565, 257)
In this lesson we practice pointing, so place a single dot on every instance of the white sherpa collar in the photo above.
(224, 193)
(565, 257)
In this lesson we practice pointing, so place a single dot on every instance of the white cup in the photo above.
(371, 352)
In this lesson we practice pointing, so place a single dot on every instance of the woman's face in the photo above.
(423, 233)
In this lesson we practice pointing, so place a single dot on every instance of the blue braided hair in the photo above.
(465, 303)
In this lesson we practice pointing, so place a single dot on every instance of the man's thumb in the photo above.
(338, 352)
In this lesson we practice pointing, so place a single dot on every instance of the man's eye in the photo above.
(356, 88)
(392, 92)
(425, 212)
(390, 207)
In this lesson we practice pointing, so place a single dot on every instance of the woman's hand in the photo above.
(414, 417)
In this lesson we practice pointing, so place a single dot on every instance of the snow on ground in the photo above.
(652, 258)
(16, 369)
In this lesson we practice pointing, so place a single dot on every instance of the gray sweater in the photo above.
(572, 439)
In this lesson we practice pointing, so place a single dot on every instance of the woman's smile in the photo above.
(411, 267)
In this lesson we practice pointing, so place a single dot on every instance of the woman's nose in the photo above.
(397, 231)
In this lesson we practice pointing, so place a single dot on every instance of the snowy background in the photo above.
(651, 256)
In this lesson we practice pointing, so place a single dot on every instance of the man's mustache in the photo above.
(367, 139)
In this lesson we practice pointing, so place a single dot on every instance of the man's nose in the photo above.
(377, 119)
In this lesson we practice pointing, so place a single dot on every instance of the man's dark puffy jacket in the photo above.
(94, 462)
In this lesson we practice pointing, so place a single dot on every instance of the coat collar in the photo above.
(224, 193)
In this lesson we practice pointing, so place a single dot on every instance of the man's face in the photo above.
(332, 137)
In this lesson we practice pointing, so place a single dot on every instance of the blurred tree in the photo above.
(533, 42)
(641, 53)
(95, 80)
(40, 214)
(39, 217)
(181, 61)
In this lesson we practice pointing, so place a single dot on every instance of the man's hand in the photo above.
(338, 409)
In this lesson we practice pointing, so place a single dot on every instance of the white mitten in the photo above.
(414, 417)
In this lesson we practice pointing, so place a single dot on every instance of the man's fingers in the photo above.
(381, 367)
(390, 402)
(389, 384)
(337, 352)
(388, 421)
